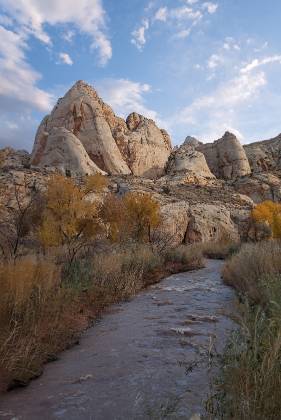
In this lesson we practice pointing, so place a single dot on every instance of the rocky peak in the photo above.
(192, 141)
(226, 157)
(115, 146)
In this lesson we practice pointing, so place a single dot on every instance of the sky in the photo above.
(196, 67)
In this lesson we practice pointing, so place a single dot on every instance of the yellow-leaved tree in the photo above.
(269, 213)
(131, 216)
(69, 219)
(142, 213)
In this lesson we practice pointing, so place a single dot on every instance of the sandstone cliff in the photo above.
(137, 146)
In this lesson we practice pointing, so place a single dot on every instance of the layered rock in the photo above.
(226, 157)
(116, 147)
(186, 158)
(265, 155)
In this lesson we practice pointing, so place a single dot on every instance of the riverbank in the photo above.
(44, 310)
(147, 358)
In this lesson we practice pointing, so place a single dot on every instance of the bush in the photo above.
(220, 250)
(190, 256)
(254, 261)
(251, 379)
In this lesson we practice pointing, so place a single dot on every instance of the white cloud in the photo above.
(182, 13)
(19, 94)
(65, 59)
(261, 62)
(181, 20)
(126, 96)
(210, 7)
(139, 35)
(161, 14)
(212, 114)
(88, 16)
(183, 34)
(17, 79)
(214, 61)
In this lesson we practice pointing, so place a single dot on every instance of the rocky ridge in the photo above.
(206, 191)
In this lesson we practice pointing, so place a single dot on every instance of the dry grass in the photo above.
(34, 318)
(220, 250)
(43, 308)
(244, 270)
(189, 256)
(251, 381)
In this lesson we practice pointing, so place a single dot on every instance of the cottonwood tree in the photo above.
(69, 219)
(131, 216)
(270, 213)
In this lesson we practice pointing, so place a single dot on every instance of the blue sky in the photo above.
(196, 67)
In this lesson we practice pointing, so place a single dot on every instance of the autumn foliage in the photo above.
(270, 213)
(131, 217)
(69, 219)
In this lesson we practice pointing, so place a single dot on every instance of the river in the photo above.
(148, 358)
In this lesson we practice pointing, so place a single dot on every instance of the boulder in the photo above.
(174, 222)
(186, 158)
(210, 222)
(64, 152)
(226, 157)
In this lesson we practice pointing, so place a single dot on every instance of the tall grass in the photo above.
(43, 307)
(245, 270)
(251, 381)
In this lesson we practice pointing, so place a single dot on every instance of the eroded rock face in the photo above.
(210, 222)
(186, 158)
(226, 157)
(265, 155)
(260, 187)
(64, 152)
(116, 147)
(147, 147)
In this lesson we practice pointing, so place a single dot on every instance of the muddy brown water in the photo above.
(148, 358)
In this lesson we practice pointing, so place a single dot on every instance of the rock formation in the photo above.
(64, 152)
(226, 157)
(114, 146)
(186, 158)
(265, 155)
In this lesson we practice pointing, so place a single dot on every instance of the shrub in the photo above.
(190, 256)
(254, 261)
(249, 387)
(250, 384)
(220, 250)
